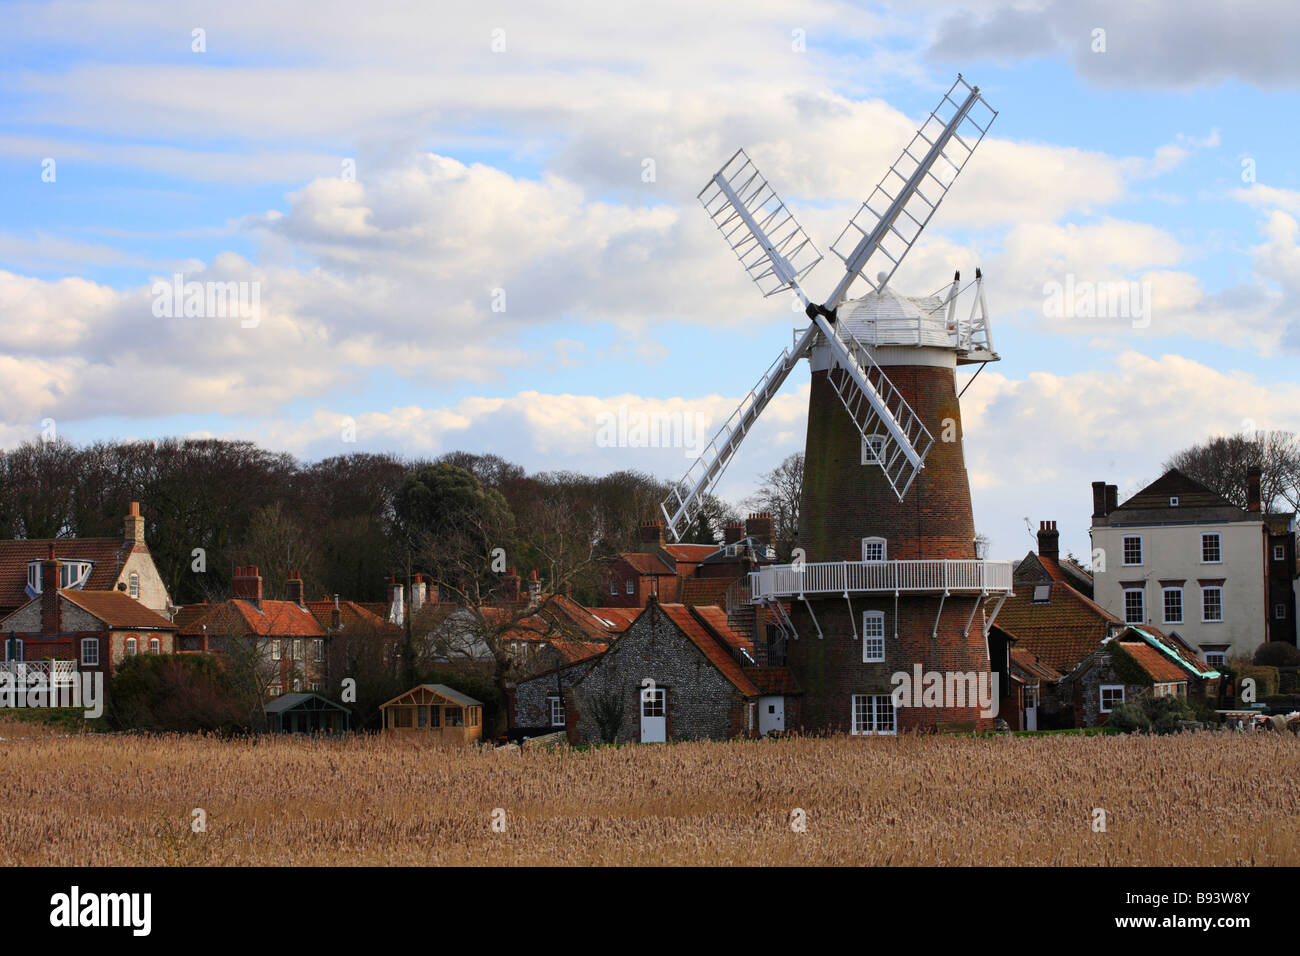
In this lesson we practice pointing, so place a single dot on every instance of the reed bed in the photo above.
(1191, 799)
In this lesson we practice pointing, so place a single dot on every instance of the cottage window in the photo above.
(1173, 501)
(297, 685)
(1111, 694)
(1135, 610)
(1173, 605)
(422, 716)
(873, 636)
(873, 714)
(132, 646)
(557, 711)
(1211, 604)
(90, 652)
(873, 549)
(1211, 548)
(435, 716)
(455, 717)
(155, 646)
(1132, 549)
(13, 649)
(133, 586)
(613, 585)
(1216, 658)
(1279, 552)
(275, 650)
(1279, 612)
(274, 690)
(297, 648)
(318, 649)
(631, 585)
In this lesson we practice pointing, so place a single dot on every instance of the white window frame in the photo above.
(132, 646)
(1218, 546)
(1173, 501)
(1101, 697)
(89, 645)
(276, 652)
(872, 448)
(1205, 593)
(874, 726)
(555, 704)
(631, 585)
(273, 690)
(1221, 658)
(297, 649)
(18, 642)
(318, 648)
(613, 585)
(873, 637)
(1164, 605)
(155, 645)
(1142, 618)
(871, 543)
(133, 585)
(1279, 612)
(1279, 552)
(1123, 550)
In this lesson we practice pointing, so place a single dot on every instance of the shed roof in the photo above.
(442, 690)
(285, 702)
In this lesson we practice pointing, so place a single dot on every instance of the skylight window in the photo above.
(1042, 593)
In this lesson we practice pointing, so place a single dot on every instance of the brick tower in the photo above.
(885, 579)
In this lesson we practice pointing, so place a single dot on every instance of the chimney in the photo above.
(246, 585)
(1099, 499)
(1049, 540)
(1252, 488)
(293, 588)
(510, 585)
(1112, 498)
(759, 527)
(134, 524)
(396, 601)
(419, 592)
(51, 605)
(534, 589)
(733, 532)
(652, 532)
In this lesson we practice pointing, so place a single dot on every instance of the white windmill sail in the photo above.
(889, 222)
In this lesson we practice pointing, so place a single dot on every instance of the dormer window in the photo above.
(72, 575)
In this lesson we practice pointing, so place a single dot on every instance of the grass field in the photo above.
(1190, 799)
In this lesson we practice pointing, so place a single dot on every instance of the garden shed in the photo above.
(436, 711)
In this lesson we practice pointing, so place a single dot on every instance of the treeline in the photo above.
(211, 505)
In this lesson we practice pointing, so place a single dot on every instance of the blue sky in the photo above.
(520, 170)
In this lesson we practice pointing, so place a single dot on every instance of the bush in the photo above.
(177, 693)
(1277, 654)
(1265, 677)
(1128, 717)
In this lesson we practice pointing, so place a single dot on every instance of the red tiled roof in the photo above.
(1061, 632)
(274, 619)
(352, 615)
(573, 651)
(189, 613)
(621, 616)
(697, 591)
(1033, 666)
(721, 659)
(647, 563)
(106, 554)
(1160, 667)
(773, 680)
(690, 553)
(715, 619)
(117, 609)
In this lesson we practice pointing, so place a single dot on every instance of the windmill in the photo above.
(885, 510)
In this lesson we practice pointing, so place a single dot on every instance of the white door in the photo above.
(771, 715)
(654, 716)
(1031, 708)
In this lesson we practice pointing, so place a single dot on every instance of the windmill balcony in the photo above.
(866, 577)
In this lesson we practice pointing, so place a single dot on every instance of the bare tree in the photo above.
(1221, 462)
(779, 493)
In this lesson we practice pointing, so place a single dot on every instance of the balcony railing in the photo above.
(52, 673)
(857, 577)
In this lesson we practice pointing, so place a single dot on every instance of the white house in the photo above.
(1181, 558)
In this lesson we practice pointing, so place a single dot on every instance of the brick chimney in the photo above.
(1099, 499)
(1112, 498)
(51, 605)
(246, 585)
(733, 532)
(1049, 540)
(1252, 488)
(134, 524)
(419, 592)
(652, 532)
(293, 588)
(534, 588)
(759, 527)
(510, 585)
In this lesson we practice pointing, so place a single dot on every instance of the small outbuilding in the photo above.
(435, 710)
(307, 714)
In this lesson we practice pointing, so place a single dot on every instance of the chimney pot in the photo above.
(1049, 540)
(652, 532)
(1099, 499)
(246, 585)
(133, 524)
(733, 532)
(1253, 477)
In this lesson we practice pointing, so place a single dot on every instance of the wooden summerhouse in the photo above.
(436, 711)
